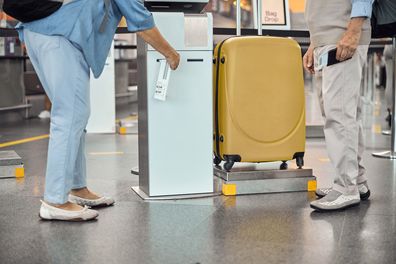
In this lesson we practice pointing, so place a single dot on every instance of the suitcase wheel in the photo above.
(230, 160)
(300, 162)
(216, 160)
(228, 165)
(283, 166)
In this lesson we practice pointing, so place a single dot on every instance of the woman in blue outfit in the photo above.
(63, 48)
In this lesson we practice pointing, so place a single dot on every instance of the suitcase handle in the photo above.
(259, 18)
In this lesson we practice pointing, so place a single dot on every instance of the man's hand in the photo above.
(308, 60)
(346, 47)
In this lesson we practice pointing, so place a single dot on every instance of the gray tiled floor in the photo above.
(276, 228)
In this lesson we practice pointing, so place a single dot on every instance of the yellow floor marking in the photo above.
(132, 117)
(106, 153)
(22, 141)
(377, 129)
(128, 118)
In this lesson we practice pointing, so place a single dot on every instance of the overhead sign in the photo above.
(275, 14)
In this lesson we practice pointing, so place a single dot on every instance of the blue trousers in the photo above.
(64, 74)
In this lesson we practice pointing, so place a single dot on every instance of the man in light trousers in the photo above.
(343, 25)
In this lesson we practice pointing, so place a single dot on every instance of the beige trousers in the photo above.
(338, 88)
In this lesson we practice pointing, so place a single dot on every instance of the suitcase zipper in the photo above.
(217, 136)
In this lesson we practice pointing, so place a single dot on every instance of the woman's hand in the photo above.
(157, 41)
(173, 60)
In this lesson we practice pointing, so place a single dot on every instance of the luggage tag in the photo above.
(161, 87)
(323, 60)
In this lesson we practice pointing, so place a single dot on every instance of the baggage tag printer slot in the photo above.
(161, 87)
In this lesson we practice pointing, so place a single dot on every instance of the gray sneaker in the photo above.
(364, 191)
(335, 201)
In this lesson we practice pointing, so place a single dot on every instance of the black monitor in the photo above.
(190, 7)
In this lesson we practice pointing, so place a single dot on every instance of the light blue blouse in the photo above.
(80, 20)
(362, 8)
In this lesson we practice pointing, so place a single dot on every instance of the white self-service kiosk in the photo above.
(175, 107)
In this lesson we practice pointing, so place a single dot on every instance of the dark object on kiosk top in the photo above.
(185, 6)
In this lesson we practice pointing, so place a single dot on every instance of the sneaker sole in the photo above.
(334, 210)
(363, 196)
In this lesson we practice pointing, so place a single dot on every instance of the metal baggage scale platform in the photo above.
(247, 178)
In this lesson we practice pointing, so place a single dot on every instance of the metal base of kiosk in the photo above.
(258, 180)
(391, 154)
(387, 133)
(145, 197)
(385, 155)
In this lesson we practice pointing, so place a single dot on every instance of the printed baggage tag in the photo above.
(161, 87)
(323, 60)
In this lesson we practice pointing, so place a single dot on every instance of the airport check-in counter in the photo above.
(175, 134)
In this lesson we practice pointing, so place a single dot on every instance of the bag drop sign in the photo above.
(274, 12)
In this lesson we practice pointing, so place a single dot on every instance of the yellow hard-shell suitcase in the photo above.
(259, 101)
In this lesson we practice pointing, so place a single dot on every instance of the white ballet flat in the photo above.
(49, 212)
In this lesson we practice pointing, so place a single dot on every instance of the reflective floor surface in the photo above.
(272, 228)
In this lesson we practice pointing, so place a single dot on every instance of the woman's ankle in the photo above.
(67, 206)
(84, 193)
